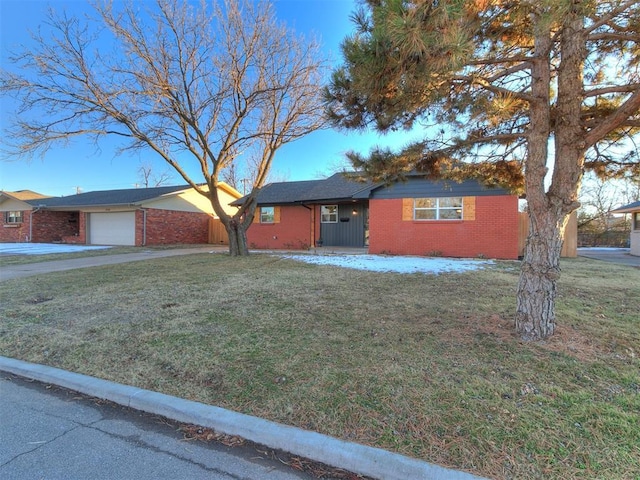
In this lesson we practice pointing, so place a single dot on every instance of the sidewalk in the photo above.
(10, 272)
(39, 443)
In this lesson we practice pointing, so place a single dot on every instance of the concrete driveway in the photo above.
(613, 255)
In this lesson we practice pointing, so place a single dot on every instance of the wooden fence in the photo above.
(217, 233)
(570, 244)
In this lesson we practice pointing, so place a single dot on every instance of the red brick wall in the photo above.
(292, 232)
(493, 233)
(15, 232)
(165, 227)
(51, 226)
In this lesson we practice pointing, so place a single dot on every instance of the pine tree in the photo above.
(505, 91)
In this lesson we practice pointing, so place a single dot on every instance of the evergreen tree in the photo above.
(505, 91)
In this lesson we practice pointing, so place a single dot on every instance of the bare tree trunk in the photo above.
(237, 238)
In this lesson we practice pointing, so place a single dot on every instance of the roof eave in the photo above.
(83, 207)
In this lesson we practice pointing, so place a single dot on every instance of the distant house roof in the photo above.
(339, 186)
(632, 207)
(24, 195)
(129, 196)
(125, 197)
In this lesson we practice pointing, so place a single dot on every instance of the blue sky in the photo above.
(80, 165)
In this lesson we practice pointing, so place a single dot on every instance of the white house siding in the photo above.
(192, 201)
(635, 243)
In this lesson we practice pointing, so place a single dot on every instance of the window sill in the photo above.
(423, 222)
(12, 225)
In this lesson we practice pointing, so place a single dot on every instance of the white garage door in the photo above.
(113, 228)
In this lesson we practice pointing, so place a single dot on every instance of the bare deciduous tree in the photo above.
(149, 178)
(200, 85)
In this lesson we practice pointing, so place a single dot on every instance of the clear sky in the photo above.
(82, 166)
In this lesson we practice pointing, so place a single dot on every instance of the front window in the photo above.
(329, 214)
(449, 208)
(267, 214)
(13, 217)
(636, 221)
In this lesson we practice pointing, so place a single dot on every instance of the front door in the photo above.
(346, 228)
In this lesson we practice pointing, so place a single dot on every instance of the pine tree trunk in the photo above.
(535, 300)
(539, 274)
(549, 212)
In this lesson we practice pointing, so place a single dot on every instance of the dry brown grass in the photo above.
(424, 365)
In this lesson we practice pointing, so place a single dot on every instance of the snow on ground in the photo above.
(381, 263)
(43, 248)
(603, 249)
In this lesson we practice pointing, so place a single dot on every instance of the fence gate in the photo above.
(217, 232)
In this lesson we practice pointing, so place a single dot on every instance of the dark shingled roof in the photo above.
(628, 208)
(339, 186)
(130, 196)
(284, 192)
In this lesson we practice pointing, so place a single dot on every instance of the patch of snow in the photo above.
(43, 248)
(603, 249)
(382, 263)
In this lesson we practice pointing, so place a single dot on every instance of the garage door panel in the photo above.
(112, 228)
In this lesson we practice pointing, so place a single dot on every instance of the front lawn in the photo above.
(424, 365)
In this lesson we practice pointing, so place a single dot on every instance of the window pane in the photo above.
(450, 202)
(329, 213)
(450, 214)
(267, 214)
(425, 202)
(425, 214)
(13, 217)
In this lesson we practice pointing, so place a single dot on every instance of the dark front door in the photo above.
(347, 229)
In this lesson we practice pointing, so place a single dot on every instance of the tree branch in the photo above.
(618, 118)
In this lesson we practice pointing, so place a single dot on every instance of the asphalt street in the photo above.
(621, 256)
(52, 433)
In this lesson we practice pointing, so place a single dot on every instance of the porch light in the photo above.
(354, 212)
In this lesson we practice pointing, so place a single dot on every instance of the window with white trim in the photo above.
(636, 220)
(13, 217)
(444, 208)
(267, 214)
(329, 214)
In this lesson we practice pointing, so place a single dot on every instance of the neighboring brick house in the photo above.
(141, 216)
(16, 215)
(416, 216)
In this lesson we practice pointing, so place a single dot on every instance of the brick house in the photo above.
(412, 217)
(16, 215)
(142, 216)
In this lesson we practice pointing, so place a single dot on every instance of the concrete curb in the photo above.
(369, 461)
